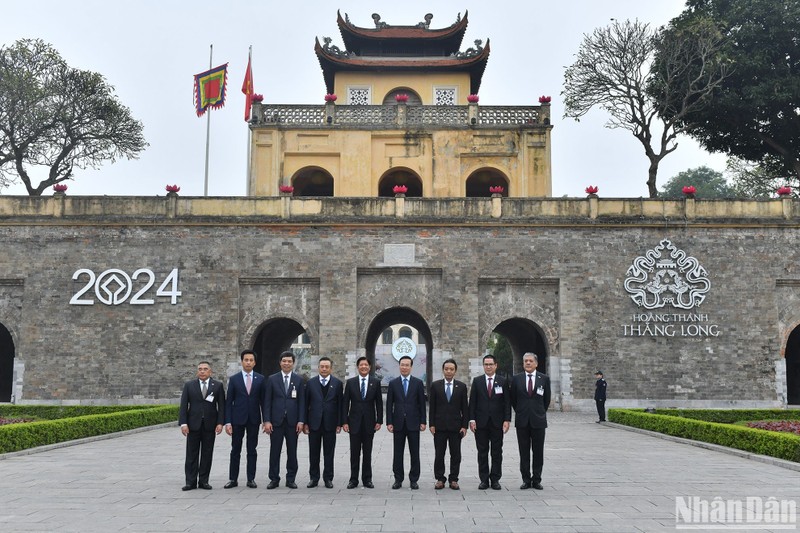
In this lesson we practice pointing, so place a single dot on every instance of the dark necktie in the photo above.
(489, 388)
(363, 388)
(530, 384)
(405, 386)
(286, 385)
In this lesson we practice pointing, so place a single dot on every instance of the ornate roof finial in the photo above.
(427, 23)
(378, 23)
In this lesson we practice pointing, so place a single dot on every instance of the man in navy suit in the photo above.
(243, 415)
(324, 406)
(284, 409)
(530, 397)
(489, 419)
(449, 420)
(362, 416)
(405, 418)
(201, 414)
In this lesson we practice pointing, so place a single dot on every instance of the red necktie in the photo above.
(530, 385)
(489, 389)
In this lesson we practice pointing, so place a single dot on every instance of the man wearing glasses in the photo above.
(489, 420)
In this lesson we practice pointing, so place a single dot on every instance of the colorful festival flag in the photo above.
(247, 89)
(209, 89)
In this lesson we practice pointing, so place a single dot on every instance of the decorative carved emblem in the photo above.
(664, 276)
(404, 347)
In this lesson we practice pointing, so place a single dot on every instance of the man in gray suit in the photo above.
(530, 397)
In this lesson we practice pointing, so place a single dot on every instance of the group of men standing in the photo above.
(283, 405)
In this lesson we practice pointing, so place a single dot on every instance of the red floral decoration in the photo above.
(286, 188)
(257, 98)
(59, 187)
(330, 97)
(496, 189)
(472, 98)
(784, 190)
(592, 189)
(400, 189)
(689, 190)
(544, 99)
(401, 97)
(173, 188)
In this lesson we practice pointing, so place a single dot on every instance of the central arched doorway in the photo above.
(277, 336)
(6, 364)
(406, 322)
(519, 336)
(792, 354)
(400, 176)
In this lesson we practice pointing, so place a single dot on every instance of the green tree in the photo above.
(752, 180)
(754, 113)
(55, 118)
(500, 348)
(708, 182)
(615, 70)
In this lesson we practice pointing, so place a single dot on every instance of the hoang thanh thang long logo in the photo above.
(665, 276)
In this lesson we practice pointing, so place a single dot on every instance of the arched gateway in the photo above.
(6, 364)
(387, 367)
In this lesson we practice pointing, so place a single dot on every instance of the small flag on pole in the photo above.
(247, 89)
(209, 89)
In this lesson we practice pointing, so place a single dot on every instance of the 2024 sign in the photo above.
(114, 286)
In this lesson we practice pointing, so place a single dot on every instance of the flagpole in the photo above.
(249, 132)
(208, 123)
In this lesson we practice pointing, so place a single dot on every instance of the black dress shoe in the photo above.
(231, 484)
(414, 485)
(525, 486)
(311, 484)
(397, 485)
(369, 485)
(204, 486)
(273, 485)
(252, 484)
(537, 486)
(353, 484)
(483, 486)
(188, 487)
(329, 484)
(291, 484)
(496, 486)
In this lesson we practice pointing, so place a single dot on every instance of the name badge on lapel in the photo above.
(294, 393)
(540, 390)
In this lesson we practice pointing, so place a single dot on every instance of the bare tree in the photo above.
(647, 80)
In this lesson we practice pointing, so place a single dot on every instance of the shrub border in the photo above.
(101, 420)
(759, 441)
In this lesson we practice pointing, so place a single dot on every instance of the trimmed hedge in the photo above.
(110, 419)
(668, 421)
(52, 412)
(729, 416)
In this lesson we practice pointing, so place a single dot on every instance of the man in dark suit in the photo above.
(362, 416)
(405, 418)
(284, 409)
(489, 419)
(449, 419)
(600, 396)
(201, 415)
(530, 397)
(243, 415)
(324, 406)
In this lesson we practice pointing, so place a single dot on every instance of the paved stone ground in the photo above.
(597, 479)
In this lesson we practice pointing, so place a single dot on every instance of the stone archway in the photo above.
(312, 181)
(6, 364)
(400, 176)
(386, 367)
(274, 337)
(478, 183)
(792, 355)
(524, 336)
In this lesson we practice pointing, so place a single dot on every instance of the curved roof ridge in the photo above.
(382, 30)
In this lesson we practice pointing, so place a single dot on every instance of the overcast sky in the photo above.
(149, 51)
